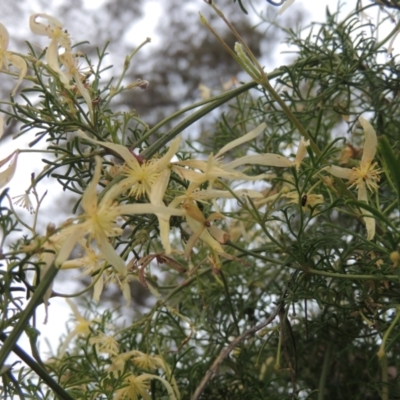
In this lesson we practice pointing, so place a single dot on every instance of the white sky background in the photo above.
(59, 310)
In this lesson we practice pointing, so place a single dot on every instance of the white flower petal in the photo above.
(287, 4)
(156, 198)
(117, 148)
(268, 159)
(44, 29)
(369, 220)
(247, 137)
(371, 143)
(89, 198)
(98, 288)
(19, 63)
(4, 38)
(146, 208)
(165, 160)
(301, 152)
(339, 172)
(73, 234)
(8, 173)
(109, 253)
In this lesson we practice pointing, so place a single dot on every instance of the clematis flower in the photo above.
(366, 176)
(94, 264)
(59, 37)
(149, 178)
(99, 221)
(213, 169)
(82, 327)
(202, 229)
(72, 72)
(8, 57)
(105, 344)
(138, 386)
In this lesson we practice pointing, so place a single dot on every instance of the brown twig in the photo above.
(213, 369)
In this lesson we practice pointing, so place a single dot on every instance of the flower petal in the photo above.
(43, 29)
(301, 152)
(8, 173)
(245, 138)
(89, 198)
(146, 208)
(371, 143)
(123, 151)
(339, 172)
(4, 37)
(165, 160)
(19, 63)
(109, 253)
(287, 4)
(268, 159)
(156, 198)
(73, 234)
(368, 218)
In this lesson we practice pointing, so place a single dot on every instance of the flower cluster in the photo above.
(144, 186)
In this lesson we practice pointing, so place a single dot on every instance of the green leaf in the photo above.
(391, 164)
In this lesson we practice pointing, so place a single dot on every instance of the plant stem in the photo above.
(40, 371)
(23, 321)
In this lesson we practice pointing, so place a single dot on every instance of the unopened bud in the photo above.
(51, 228)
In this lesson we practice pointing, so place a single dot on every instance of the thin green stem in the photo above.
(38, 369)
(163, 140)
(23, 321)
(324, 373)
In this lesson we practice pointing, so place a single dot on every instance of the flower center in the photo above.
(141, 178)
(369, 174)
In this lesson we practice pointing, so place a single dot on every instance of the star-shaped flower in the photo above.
(199, 171)
(365, 176)
(145, 178)
(99, 221)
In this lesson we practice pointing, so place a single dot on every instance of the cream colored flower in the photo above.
(146, 361)
(8, 57)
(364, 177)
(134, 388)
(93, 264)
(81, 329)
(105, 344)
(198, 171)
(139, 385)
(53, 29)
(60, 37)
(99, 221)
(202, 229)
(146, 178)
(72, 72)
